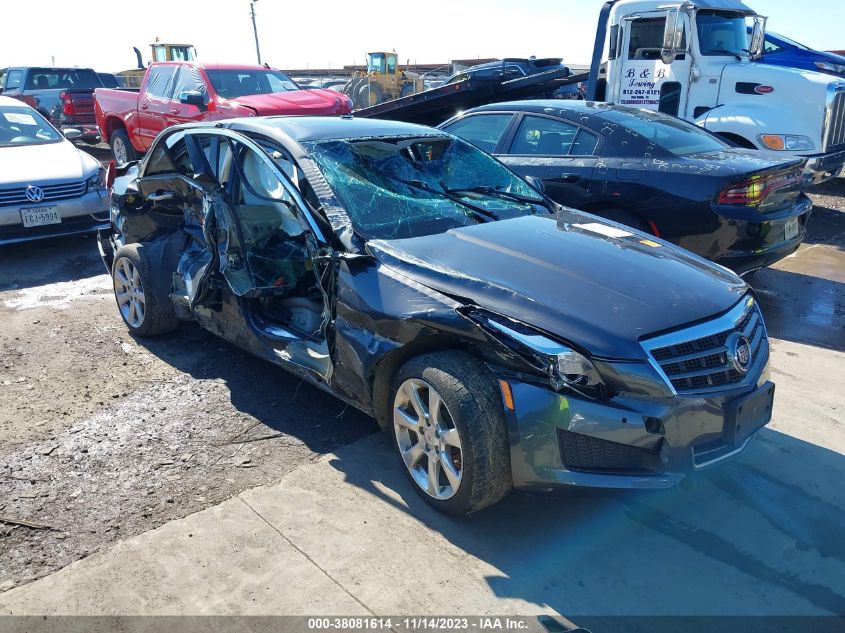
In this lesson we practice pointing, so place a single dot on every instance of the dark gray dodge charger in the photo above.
(503, 340)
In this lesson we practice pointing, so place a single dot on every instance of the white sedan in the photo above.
(48, 187)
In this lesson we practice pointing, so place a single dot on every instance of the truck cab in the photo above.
(693, 60)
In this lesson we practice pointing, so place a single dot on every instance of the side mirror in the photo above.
(672, 36)
(758, 34)
(536, 184)
(71, 133)
(192, 97)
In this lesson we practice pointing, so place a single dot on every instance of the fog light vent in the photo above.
(654, 426)
(584, 452)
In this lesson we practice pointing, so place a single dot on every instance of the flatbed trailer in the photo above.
(434, 106)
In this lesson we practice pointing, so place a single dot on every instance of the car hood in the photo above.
(578, 277)
(317, 101)
(46, 163)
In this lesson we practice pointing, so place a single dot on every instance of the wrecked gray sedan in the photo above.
(503, 340)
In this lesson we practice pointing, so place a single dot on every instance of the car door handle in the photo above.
(144, 106)
(174, 110)
(164, 196)
(570, 177)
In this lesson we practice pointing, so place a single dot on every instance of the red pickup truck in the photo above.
(181, 92)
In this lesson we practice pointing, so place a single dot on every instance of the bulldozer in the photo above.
(161, 52)
(382, 81)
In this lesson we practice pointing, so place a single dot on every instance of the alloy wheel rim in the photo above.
(129, 292)
(119, 152)
(428, 439)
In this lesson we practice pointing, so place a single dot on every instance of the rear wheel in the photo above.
(143, 304)
(449, 431)
(122, 148)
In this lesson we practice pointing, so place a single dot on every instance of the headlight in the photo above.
(788, 142)
(97, 181)
(564, 366)
(834, 68)
(574, 369)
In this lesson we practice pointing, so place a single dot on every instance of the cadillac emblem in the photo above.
(739, 353)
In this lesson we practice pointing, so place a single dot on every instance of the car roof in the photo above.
(317, 128)
(554, 106)
(9, 101)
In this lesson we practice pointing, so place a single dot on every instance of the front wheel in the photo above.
(450, 433)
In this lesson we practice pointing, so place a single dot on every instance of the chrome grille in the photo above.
(835, 122)
(697, 359)
(63, 191)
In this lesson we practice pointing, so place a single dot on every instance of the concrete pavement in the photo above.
(347, 535)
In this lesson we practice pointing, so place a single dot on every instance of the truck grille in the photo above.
(64, 191)
(835, 122)
(698, 359)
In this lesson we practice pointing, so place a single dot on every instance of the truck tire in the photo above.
(143, 299)
(407, 89)
(449, 430)
(369, 94)
(122, 148)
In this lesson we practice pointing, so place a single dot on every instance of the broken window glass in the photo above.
(264, 245)
(406, 187)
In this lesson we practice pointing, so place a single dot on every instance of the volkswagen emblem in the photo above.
(739, 353)
(34, 194)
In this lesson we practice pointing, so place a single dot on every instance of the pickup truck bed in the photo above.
(65, 96)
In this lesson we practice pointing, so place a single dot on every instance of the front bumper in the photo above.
(85, 214)
(559, 440)
(824, 167)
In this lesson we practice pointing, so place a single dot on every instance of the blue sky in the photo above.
(101, 33)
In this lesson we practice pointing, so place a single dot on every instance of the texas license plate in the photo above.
(791, 228)
(40, 216)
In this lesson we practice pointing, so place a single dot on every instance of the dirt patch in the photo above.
(105, 437)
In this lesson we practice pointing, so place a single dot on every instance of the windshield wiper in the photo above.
(497, 192)
(475, 210)
(723, 51)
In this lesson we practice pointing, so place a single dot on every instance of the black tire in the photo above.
(350, 89)
(159, 316)
(367, 93)
(407, 90)
(121, 147)
(627, 218)
(474, 404)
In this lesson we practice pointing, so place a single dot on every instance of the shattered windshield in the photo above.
(396, 188)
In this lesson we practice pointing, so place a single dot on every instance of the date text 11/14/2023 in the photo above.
(421, 623)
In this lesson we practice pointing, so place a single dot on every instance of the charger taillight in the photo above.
(751, 191)
(68, 108)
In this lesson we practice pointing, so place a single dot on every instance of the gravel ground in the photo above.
(105, 437)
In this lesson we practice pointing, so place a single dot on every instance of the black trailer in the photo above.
(438, 104)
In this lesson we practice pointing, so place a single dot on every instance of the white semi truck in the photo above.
(694, 60)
